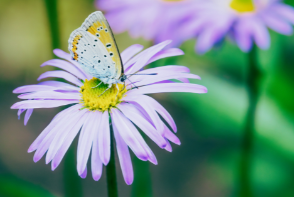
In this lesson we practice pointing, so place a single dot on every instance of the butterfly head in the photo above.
(123, 78)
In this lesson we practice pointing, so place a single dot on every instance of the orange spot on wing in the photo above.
(74, 44)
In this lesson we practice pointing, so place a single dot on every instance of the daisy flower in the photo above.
(244, 21)
(151, 19)
(93, 115)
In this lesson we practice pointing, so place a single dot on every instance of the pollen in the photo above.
(94, 98)
(243, 6)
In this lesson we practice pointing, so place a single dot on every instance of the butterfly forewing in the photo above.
(98, 26)
(90, 52)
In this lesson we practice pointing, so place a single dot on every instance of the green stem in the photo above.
(52, 13)
(253, 77)
(72, 182)
(110, 172)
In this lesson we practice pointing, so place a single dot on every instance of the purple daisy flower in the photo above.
(152, 19)
(245, 21)
(92, 114)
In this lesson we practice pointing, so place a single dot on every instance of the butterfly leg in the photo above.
(109, 86)
(117, 90)
(97, 85)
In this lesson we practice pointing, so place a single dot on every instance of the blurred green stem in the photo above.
(72, 182)
(52, 13)
(110, 172)
(253, 77)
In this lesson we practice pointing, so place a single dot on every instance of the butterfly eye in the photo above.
(97, 35)
(105, 55)
(108, 45)
(111, 54)
(99, 61)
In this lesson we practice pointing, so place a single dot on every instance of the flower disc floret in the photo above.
(93, 99)
(242, 6)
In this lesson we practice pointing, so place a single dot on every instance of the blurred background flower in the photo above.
(210, 21)
(210, 126)
(157, 20)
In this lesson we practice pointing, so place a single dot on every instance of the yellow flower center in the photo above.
(243, 6)
(93, 99)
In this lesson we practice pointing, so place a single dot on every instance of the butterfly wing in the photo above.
(91, 53)
(97, 25)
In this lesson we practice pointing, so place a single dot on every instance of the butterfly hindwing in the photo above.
(91, 54)
(97, 25)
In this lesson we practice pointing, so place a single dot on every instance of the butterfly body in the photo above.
(94, 48)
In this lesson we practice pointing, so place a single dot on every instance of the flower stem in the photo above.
(72, 182)
(110, 172)
(253, 77)
(52, 13)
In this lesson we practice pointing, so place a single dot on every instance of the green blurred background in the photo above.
(209, 126)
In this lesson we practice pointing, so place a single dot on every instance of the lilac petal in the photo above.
(42, 103)
(64, 55)
(59, 84)
(184, 80)
(166, 53)
(84, 173)
(160, 70)
(132, 137)
(50, 95)
(169, 87)
(129, 52)
(166, 76)
(33, 88)
(213, 33)
(159, 125)
(58, 118)
(62, 133)
(28, 115)
(161, 110)
(260, 34)
(104, 138)
(65, 66)
(137, 118)
(243, 35)
(63, 75)
(143, 112)
(171, 136)
(279, 25)
(96, 163)
(168, 146)
(59, 155)
(285, 11)
(88, 132)
(19, 112)
(124, 157)
(142, 59)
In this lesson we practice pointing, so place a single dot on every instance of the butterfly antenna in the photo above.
(143, 74)
(132, 83)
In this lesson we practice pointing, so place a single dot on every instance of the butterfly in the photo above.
(93, 46)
